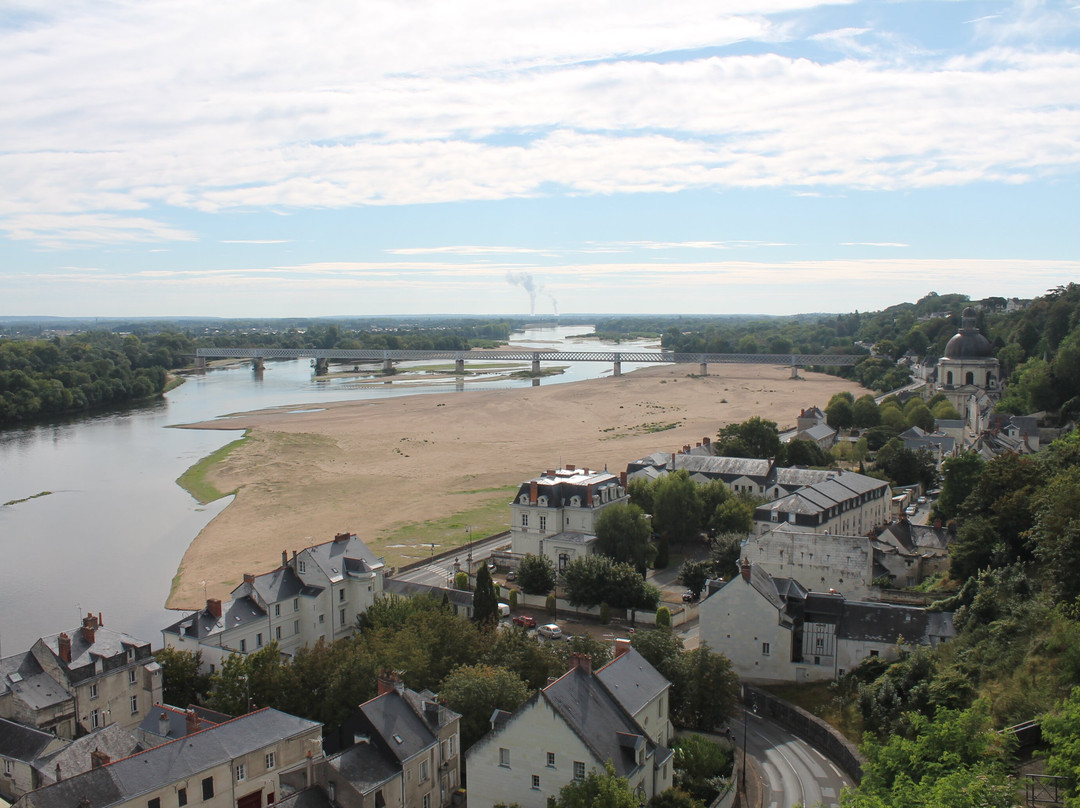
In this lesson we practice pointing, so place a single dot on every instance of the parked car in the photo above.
(689, 597)
(511, 575)
(525, 620)
(921, 500)
(910, 510)
(550, 630)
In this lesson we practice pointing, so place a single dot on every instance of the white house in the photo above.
(577, 724)
(846, 503)
(774, 630)
(553, 514)
(317, 594)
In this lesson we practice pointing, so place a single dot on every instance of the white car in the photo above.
(550, 630)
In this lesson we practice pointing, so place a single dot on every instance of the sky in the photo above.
(266, 158)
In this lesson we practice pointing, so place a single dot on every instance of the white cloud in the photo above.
(116, 108)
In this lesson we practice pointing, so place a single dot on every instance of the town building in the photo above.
(314, 595)
(824, 561)
(845, 503)
(72, 683)
(577, 724)
(554, 514)
(774, 630)
(909, 553)
(236, 764)
(20, 748)
(968, 374)
(743, 475)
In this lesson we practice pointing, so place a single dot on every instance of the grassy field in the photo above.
(194, 479)
(410, 542)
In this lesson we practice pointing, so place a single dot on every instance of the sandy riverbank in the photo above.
(376, 468)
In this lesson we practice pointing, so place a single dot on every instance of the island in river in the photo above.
(418, 474)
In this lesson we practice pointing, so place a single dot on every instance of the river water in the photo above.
(110, 536)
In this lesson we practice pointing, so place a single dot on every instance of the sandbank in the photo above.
(379, 468)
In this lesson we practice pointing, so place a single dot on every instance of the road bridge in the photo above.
(387, 358)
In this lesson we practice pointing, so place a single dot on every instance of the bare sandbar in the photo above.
(378, 468)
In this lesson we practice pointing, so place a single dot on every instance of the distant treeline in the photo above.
(68, 374)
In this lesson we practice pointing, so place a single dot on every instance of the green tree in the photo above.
(485, 598)
(250, 681)
(701, 766)
(960, 475)
(724, 553)
(663, 617)
(705, 689)
(598, 651)
(536, 574)
(641, 493)
(840, 414)
(591, 580)
(676, 507)
(799, 452)
(734, 516)
(1061, 731)
(182, 683)
(476, 691)
(864, 412)
(522, 653)
(660, 647)
(1055, 534)
(710, 496)
(597, 790)
(675, 798)
(754, 437)
(694, 575)
(622, 534)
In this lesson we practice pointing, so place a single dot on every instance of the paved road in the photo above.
(441, 570)
(793, 772)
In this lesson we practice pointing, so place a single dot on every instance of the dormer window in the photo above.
(575, 502)
(524, 499)
(542, 502)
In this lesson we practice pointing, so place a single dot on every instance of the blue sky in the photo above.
(263, 158)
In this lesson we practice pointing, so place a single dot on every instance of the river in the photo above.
(110, 536)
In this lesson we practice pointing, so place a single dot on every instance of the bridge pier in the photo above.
(200, 364)
(459, 366)
(388, 365)
(322, 367)
(617, 370)
(536, 363)
(704, 370)
(795, 372)
(258, 364)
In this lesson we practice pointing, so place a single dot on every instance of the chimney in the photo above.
(163, 724)
(100, 621)
(937, 524)
(622, 645)
(551, 680)
(284, 558)
(706, 441)
(343, 536)
(431, 712)
(58, 777)
(89, 628)
(191, 721)
(744, 568)
(294, 560)
(583, 661)
(98, 759)
(63, 643)
(622, 479)
(388, 681)
(571, 467)
(588, 495)
(249, 578)
(213, 607)
(534, 492)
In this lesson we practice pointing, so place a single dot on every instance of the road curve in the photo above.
(792, 771)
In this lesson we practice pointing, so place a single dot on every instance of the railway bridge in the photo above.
(323, 356)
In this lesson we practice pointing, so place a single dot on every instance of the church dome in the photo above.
(968, 343)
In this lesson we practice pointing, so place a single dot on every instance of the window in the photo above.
(579, 770)
(269, 797)
(303, 566)
(258, 640)
(423, 771)
(95, 719)
(543, 523)
(271, 760)
(181, 797)
(426, 801)
(504, 757)
(819, 643)
(93, 691)
(322, 619)
(277, 632)
(154, 803)
(296, 604)
(241, 772)
(342, 617)
(134, 704)
(765, 649)
(817, 660)
(551, 759)
(536, 782)
(341, 595)
(9, 766)
(243, 646)
(524, 520)
(873, 653)
(208, 788)
(277, 610)
(296, 627)
(131, 676)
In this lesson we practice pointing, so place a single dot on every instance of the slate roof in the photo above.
(73, 759)
(364, 766)
(177, 760)
(313, 797)
(888, 623)
(632, 680)
(23, 743)
(176, 721)
(396, 586)
(107, 644)
(597, 718)
(817, 432)
(397, 725)
(334, 558)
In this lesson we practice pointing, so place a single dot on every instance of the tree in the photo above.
(864, 413)
(248, 682)
(1056, 533)
(754, 437)
(734, 516)
(485, 598)
(182, 683)
(663, 617)
(536, 574)
(675, 798)
(597, 790)
(591, 580)
(476, 691)
(840, 414)
(641, 493)
(622, 534)
(522, 653)
(724, 553)
(1061, 730)
(710, 496)
(676, 507)
(960, 475)
(705, 690)
(799, 452)
(700, 766)
(694, 575)
(661, 648)
(906, 467)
